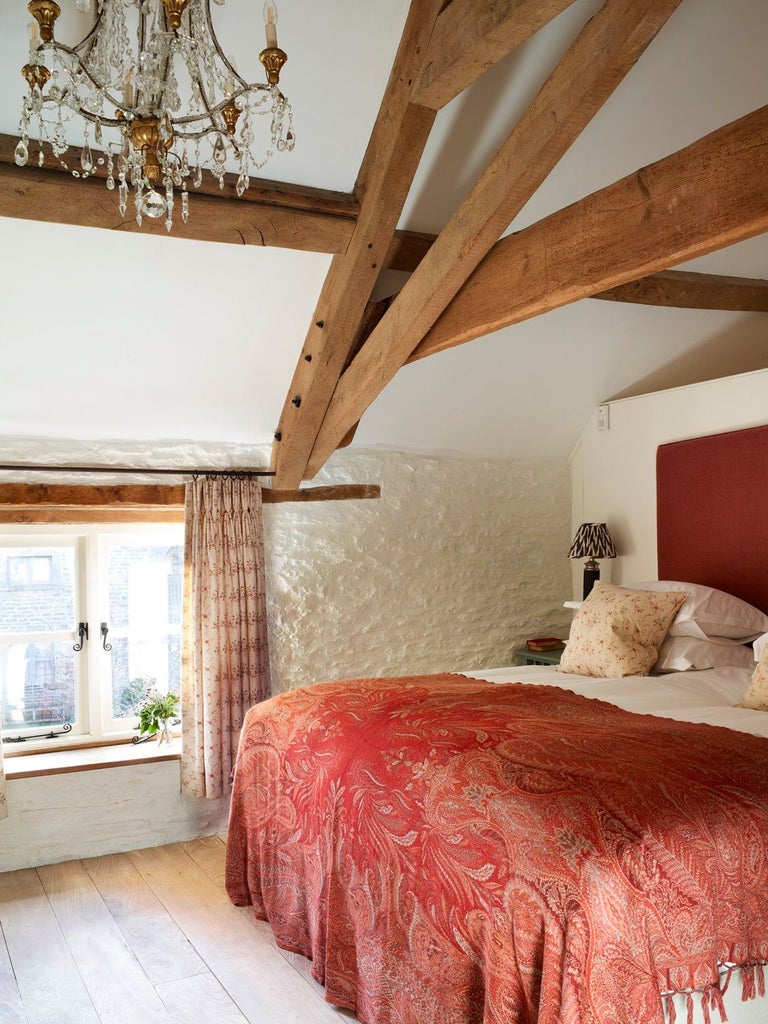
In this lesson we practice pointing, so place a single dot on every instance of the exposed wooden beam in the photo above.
(39, 194)
(687, 290)
(70, 515)
(147, 495)
(269, 213)
(604, 51)
(334, 492)
(372, 315)
(87, 503)
(92, 495)
(392, 157)
(68, 503)
(470, 38)
(704, 197)
(407, 250)
(261, 190)
(676, 288)
(374, 311)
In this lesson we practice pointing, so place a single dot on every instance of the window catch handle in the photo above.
(104, 632)
(82, 632)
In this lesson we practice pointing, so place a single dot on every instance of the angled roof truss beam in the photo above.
(684, 289)
(390, 163)
(705, 197)
(598, 60)
(470, 38)
(391, 159)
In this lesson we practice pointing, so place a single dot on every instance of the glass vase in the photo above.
(164, 731)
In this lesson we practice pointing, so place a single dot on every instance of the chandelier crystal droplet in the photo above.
(154, 92)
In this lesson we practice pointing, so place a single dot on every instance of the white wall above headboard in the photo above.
(614, 471)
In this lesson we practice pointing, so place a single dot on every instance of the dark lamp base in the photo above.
(591, 576)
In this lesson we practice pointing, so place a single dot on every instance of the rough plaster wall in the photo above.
(455, 564)
(88, 814)
(458, 562)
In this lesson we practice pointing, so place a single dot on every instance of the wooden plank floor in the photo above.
(148, 936)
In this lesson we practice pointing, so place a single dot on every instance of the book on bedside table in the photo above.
(545, 643)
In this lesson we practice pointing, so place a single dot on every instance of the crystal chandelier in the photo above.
(155, 92)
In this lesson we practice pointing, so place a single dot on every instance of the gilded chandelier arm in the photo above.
(152, 76)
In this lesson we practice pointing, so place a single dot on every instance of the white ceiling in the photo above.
(129, 337)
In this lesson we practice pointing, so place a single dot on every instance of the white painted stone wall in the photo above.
(87, 814)
(457, 563)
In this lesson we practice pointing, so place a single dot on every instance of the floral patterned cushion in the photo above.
(756, 696)
(618, 632)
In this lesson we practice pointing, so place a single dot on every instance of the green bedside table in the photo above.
(524, 656)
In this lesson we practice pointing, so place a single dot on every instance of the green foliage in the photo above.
(125, 705)
(155, 708)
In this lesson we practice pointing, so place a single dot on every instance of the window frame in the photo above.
(31, 538)
(95, 725)
(105, 537)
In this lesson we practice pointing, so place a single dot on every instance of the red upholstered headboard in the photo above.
(712, 512)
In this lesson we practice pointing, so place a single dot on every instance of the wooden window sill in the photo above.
(86, 759)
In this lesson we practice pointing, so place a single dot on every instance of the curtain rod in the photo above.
(186, 471)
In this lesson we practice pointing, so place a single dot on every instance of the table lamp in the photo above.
(592, 541)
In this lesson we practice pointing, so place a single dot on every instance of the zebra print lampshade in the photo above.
(592, 541)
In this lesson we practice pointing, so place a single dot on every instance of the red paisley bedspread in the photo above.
(454, 851)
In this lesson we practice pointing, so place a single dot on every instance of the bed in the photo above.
(470, 848)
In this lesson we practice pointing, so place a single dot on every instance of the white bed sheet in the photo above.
(708, 695)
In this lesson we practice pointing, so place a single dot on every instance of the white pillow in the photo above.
(681, 653)
(711, 613)
(759, 646)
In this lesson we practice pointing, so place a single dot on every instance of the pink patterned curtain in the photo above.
(225, 658)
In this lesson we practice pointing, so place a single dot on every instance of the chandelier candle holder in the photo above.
(154, 91)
